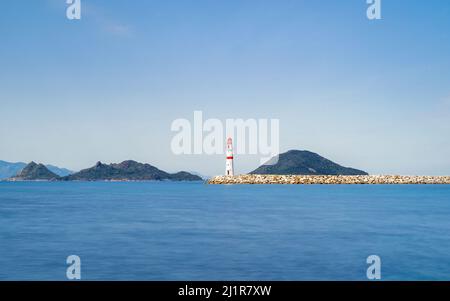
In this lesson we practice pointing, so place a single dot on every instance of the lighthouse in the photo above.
(229, 171)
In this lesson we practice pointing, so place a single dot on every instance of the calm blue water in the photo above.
(193, 231)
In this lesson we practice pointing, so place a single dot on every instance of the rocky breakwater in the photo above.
(333, 179)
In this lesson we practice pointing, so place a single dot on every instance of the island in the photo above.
(125, 171)
(302, 162)
(34, 172)
(305, 167)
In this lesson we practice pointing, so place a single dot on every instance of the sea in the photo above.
(195, 231)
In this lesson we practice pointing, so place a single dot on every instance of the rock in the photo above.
(329, 180)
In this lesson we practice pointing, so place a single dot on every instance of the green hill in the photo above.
(296, 162)
(35, 172)
(128, 171)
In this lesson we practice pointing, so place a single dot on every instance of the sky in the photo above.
(370, 94)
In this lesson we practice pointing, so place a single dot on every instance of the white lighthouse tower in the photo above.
(229, 171)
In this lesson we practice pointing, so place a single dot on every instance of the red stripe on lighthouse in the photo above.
(229, 157)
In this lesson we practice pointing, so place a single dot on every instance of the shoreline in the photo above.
(330, 180)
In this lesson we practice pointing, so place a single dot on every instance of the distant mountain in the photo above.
(8, 169)
(296, 162)
(184, 176)
(199, 174)
(34, 172)
(128, 171)
(62, 172)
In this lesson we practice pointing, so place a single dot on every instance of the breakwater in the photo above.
(310, 179)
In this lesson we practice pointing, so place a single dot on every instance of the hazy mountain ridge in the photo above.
(59, 171)
(10, 169)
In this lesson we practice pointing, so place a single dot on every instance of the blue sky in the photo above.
(374, 95)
